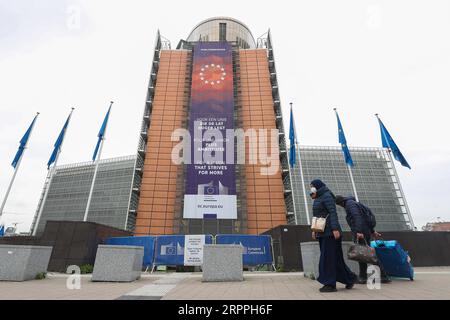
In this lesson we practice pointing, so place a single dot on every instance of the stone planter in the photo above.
(21, 263)
(222, 262)
(311, 256)
(118, 263)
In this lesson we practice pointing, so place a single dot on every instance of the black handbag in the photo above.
(362, 253)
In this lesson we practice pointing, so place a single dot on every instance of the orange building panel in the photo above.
(265, 198)
(156, 207)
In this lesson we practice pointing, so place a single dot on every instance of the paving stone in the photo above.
(429, 284)
(126, 297)
(152, 290)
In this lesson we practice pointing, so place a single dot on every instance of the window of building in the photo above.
(222, 32)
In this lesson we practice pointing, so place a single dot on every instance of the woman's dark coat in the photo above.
(325, 205)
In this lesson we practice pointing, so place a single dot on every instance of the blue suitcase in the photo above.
(395, 260)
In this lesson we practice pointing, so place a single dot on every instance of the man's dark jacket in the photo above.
(324, 205)
(356, 218)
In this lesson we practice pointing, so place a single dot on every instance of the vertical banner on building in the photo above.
(193, 250)
(210, 180)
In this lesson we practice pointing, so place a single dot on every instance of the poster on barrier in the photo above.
(170, 249)
(193, 250)
(257, 249)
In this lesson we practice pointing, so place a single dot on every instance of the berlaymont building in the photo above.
(222, 78)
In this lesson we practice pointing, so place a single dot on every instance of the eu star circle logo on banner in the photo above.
(212, 74)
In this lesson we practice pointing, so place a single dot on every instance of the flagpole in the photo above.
(308, 221)
(353, 182)
(300, 167)
(349, 167)
(292, 194)
(401, 190)
(97, 162)
(399, 184)
(50, 175)
(16, 169)
(290, 178)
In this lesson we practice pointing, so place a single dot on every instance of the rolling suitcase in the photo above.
(396, 261)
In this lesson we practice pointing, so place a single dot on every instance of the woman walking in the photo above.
(332, 267)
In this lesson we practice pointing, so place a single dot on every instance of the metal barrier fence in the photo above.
(186, 250)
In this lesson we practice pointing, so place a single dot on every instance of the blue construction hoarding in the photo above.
(257, 249)
(148, 242)
(170, 249)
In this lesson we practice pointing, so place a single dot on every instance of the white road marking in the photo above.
(160, 287)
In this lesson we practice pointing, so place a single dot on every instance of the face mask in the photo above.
(313, 190)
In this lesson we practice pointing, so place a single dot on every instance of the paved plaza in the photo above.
(429, 283)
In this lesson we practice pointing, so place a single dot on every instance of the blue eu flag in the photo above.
(58, 143)
(292, 139)
(388, 142)
(343, 142)
(101, 134)
(23, 143)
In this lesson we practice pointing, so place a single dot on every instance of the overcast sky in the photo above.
(362, 56)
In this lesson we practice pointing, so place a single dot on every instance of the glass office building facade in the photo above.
(376, 183)
(114, 198)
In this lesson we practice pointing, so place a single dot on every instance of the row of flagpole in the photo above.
(386, 140)
(53, 161)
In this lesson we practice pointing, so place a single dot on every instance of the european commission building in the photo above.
(219, 79)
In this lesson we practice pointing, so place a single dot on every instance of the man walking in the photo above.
(362, 224)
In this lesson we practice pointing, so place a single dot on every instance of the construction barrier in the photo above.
(170, 249)
(148, 242)
(257, 249)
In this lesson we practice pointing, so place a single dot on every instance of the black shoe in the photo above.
(361, 281)
(349, 286)
(386, 280)
(328, 289)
